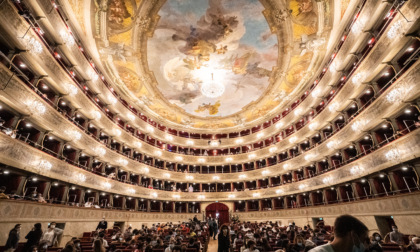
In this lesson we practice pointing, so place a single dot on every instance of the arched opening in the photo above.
(218, 210)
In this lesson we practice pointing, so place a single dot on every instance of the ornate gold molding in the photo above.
(20, 155)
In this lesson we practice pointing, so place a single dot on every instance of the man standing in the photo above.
(33, 237)
(215, 228)
(102, 225)
(350, 235)
(211, 226)
(13, 240)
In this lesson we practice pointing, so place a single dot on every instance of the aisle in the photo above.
(212, 246)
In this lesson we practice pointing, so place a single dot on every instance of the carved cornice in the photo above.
(392, 205)
(23, 211)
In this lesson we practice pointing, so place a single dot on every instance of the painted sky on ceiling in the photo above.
(195, 38)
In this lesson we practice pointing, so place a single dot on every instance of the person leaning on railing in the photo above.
(2, 194)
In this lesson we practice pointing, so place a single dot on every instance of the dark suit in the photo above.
(102, 225)
(214, 229)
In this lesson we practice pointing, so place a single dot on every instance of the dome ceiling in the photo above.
(201, 45)
(209, 63)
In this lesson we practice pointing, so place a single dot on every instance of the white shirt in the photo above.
(309, 243)
(48, 236)
(323, 248)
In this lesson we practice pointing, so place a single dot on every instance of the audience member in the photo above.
(34, 249)
(101, 238)
(102, 225)
(41, 199)
(375, 243)
(251, 247)
(414, 244)
(298, 245)
(245, 244)
(33, 237)
(224, 239)
(98, 247)
(13, 239)
(68, 248)
(127, 234)
(265, 245)
(2, 194)
(350, 235)
(51, 235)
(395, 236)
(215, 228)
(171, 246)
(237, 240)
(210, 224)
(75, 243)
(177, 249)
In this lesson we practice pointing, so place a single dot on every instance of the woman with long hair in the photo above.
(98, 247)
(265, 245)
(224, 239)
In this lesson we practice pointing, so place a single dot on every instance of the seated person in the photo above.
(375, 243)
(41, 199)
(297, 245)
(395, 236)
(111, 175)
(33, 195)
(193, 244)
(2, 195)
(414, 244)
(350, 234)
(251, 247)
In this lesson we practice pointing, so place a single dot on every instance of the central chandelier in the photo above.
(212, 89)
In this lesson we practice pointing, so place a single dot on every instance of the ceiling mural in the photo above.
(209, 63)
(199, 43)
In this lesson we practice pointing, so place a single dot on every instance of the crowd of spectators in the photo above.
(348, 235)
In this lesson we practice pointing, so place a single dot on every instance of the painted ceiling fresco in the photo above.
(164, 54)
(197, 38)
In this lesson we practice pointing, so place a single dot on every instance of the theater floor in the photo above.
(212, 246)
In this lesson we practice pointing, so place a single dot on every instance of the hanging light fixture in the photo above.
(212, 89)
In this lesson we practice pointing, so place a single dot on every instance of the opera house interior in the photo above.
(275, 115)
